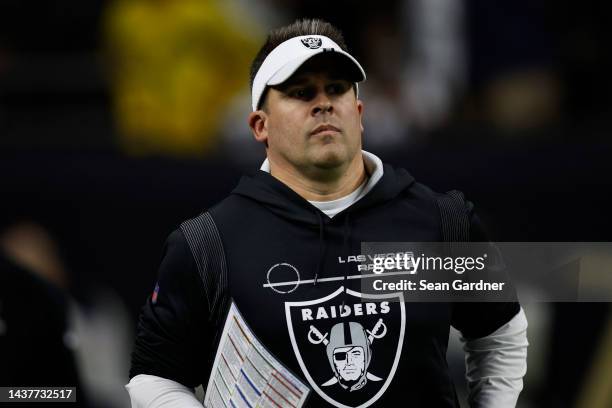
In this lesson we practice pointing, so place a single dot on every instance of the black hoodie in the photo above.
(270, 234)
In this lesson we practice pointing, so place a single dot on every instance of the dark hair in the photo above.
(296, 29)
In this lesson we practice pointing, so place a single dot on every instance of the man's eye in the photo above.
(337, 88)
(300, 93)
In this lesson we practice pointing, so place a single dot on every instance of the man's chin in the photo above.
(331, 157)
(353, 376)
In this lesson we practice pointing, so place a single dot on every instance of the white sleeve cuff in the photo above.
(149, 391)
(496, 364)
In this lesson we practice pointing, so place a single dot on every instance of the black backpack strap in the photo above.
(455, 222)
(206, 246)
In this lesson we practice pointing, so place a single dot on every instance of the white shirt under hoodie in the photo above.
(495, 364)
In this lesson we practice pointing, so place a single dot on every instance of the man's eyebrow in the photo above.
(300, 80)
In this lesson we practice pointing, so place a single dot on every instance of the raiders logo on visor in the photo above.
(312, 42)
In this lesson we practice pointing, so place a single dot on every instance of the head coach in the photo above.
(278, 249)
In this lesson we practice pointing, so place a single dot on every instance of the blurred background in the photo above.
(119, 119)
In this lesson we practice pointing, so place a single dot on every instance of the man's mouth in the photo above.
(325, 128)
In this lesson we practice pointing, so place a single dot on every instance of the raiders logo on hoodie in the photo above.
(338, 341)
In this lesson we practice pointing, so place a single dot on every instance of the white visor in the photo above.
(285, 59)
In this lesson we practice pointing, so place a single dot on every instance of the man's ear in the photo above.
(258, 122)
(360, 109)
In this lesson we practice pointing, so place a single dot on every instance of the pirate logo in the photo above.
(311, 42)
(348, 351)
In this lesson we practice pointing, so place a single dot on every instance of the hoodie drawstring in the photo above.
(346, 248)
(321, 247)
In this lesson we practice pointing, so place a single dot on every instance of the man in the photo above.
(274, 258)
(349, 355)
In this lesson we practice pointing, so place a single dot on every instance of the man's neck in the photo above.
(338, 185)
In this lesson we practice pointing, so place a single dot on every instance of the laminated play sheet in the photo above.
(245, 374)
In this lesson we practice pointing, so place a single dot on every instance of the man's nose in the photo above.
(323, 104)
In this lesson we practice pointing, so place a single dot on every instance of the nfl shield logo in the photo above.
(348, 345)
(312, 42)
